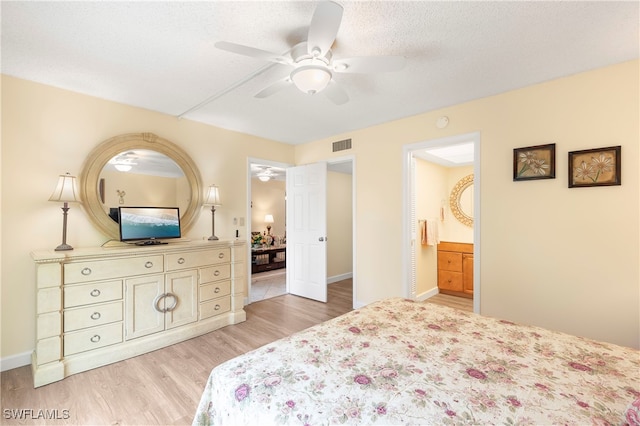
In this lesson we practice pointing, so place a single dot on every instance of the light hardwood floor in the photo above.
(164, 387)
(456, 302)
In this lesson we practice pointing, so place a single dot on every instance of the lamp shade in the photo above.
(268, 218)
(213, 196)
(66, 189)
(311, 78)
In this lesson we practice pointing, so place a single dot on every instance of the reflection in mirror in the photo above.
(142, 177)
(102, 187)
(461, 200)
(466, 201)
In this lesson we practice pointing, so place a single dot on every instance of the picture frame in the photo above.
(595, 167)
(534, 162)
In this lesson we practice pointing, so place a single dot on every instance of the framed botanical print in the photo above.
(534, 162)
(595, 167)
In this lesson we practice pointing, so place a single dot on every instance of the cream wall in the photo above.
(268, 198)
(339, 225)
(47, 131)
(430, 186)
(565, 259)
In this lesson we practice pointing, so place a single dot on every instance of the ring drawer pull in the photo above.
(221, 256)
(217, 308)
(86, 271)
(175, 302)
(149, 264)
(95, 339)
(181, 261)
(156, 303)
(95, 292)
(95, 316)
(216, 273)
(217, 290)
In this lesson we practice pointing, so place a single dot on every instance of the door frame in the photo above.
(407, 190)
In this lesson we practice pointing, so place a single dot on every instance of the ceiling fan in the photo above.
(313, 61)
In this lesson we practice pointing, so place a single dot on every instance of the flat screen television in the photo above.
(148, 225)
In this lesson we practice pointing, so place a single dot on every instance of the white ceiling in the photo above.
(161, 55)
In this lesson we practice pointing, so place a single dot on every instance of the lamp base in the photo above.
(213, 238)
(63, 247)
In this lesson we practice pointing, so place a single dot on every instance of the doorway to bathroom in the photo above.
(441, 236)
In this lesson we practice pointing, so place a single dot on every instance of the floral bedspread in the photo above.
(403, 362)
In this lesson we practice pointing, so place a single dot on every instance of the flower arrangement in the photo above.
(256, 239)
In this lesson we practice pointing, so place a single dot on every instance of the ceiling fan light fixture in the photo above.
(264, 178)
(311, 79)
(123, 167)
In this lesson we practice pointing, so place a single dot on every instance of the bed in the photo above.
(402, 362)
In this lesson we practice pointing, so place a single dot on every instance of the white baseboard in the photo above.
(427, 294)
(336, 278)
(15, 361)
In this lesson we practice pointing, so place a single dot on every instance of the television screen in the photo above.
(147, 225)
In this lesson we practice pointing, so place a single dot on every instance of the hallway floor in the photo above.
(266, 285)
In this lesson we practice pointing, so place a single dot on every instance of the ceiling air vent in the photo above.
(342, 145)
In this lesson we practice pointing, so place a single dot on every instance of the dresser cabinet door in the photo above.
(181, 301)
(142, 313)
(448, 280)
(467, 273)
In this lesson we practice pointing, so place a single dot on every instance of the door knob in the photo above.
(321, 239)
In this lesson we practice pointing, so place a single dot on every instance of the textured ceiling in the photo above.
(161, 55)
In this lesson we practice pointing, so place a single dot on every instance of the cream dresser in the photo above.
(96, 306)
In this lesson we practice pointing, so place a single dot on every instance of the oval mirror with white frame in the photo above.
(139, 169)
(461, 200)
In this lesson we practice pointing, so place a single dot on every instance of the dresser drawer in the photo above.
(92, 338)
(215, 273)
(449, 261)
(215, 307)
(91, 316)
(196, 259)
(85, 294)
(106, 269)
(214, 290)
(450, 280)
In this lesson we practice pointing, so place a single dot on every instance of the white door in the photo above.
(307, 231)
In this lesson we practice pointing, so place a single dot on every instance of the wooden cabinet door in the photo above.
(448, 280)
(467, 273)
(182, 293)
(141, 313)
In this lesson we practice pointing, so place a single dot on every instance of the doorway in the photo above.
(266, 226)
(340, 231)
(434, 189)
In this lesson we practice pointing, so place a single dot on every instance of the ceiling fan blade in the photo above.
(324, 28)
(273, 88)
(369, 64)
(335, 94)
(252, 52)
